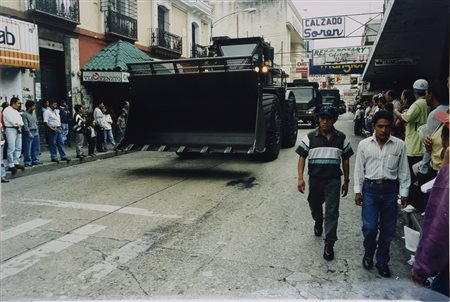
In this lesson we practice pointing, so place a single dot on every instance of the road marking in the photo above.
(126, 253)
(96, 207)
(28, 259)
(22, 228)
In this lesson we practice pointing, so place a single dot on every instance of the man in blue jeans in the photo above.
(52, 122)
(381, 174)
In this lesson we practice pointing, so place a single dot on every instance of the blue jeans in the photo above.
(31, 147)
(55, 141)
(3, 169)
(65, 131)
(109, 137)
(379, 211)
(14, 139)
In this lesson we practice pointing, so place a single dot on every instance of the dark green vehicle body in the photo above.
(221, 104)
(307, 98)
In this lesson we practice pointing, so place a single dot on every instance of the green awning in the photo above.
(110, 63)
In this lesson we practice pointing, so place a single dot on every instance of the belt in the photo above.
(380, 181)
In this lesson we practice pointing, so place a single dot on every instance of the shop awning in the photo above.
(110, 63)
(412, 43)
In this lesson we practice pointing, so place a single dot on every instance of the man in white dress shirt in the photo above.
(381, 174)
(52, 122)
(13, 124)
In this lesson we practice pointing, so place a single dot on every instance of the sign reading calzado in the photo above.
(106, 76)
(19, 44)
(324, 27)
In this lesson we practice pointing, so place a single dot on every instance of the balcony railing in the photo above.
(120, 24)
(164, 39)
(66, 9)
(199, 51)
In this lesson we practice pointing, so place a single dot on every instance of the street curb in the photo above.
(50, 166)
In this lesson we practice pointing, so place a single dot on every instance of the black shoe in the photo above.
(367, 261)
(383, 270)
(318, 229)
(66, 159)
(28, 165)
(4, 180)
(55, 160)
(21, 167)
(80, 156)
(328, 252)
(13, 170)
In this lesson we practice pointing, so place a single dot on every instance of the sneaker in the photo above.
(28, 165)
(80, 156)
(328, 252)
(55, 160)
(383, 270)
(37, 163)
(66, 159)
(5, 180)
(367, 261)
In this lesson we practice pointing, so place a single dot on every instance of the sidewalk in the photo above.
(48, 165)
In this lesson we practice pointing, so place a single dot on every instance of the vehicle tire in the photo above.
(273, 134)
(290, 125)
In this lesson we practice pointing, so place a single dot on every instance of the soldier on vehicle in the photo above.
(325, 147)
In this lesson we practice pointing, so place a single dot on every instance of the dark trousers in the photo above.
(325, 190)
(379, 212)
(92, 141)
(100, 139)
(411, 161)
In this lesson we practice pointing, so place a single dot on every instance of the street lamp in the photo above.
(247, 10)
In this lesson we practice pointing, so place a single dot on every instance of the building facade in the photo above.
(279, 22)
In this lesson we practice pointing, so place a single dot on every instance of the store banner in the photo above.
(337, 69)
(342, 55)
(106, 76)
(324, 27)
(19, 44)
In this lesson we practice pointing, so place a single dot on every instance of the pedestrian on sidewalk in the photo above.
(31, 140)
(2, 144)
(52, 122)
(121, 125)
(80, 128)
(13, 124)
(381, 173)
(100, 131)
(107, 126)
(325, 147)
(64, 114)
(91, 136)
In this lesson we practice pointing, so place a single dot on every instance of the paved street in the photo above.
(150, 225)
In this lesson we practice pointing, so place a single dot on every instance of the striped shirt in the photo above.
(324, 156)
(78, 123)
(391, 162)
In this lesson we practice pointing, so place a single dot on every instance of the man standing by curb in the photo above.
(52, 121)
(381, 168)
(324, 148)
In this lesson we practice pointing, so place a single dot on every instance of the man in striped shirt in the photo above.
(325, 147)
(381, 174)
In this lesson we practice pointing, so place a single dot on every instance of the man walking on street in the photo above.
(52, 122)
(13, 124)
(324, 148)
(381, 168)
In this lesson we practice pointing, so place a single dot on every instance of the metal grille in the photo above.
(164, 39)
(66, 9)
(124, 7)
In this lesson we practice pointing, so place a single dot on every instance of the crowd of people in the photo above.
(20, 131)
(406, 145)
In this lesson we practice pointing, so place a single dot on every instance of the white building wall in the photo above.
(274, 20)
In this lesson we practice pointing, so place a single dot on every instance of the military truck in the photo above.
(233, 101)
(307, 98)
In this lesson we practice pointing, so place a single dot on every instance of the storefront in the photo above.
(105, 76)
(19, 59)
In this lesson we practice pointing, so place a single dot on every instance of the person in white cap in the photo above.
(415, 117)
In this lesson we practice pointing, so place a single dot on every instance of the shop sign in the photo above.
(342, 55)
(324, 27)
(19, 44)
(106, 76)
(356, 68)
(394, 62)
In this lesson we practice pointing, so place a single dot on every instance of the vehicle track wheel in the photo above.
(290, 127)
